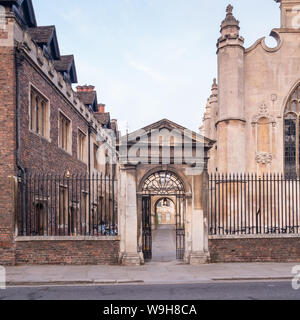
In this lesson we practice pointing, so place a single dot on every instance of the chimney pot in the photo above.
(85, 88)
(101, 108)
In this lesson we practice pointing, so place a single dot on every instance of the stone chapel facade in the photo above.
(253, 111)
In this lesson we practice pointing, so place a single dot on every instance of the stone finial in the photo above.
(230, 25)
(214, 90)
(229, 9)
(230, 20)
(214, 85)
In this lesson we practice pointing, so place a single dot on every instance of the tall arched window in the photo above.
(292, 134)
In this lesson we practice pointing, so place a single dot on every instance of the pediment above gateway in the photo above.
(166, 128)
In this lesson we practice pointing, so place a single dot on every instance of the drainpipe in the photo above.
(21, 170)
(89, 168)
(89, 151)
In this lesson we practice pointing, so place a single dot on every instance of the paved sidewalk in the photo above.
(152, 273)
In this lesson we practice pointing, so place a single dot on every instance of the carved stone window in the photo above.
(292, 134)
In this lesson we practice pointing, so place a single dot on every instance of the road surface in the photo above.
(203, 291)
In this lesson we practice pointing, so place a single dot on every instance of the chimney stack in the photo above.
(85, 88)
(101, 108)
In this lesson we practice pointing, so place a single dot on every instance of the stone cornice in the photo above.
(230, 119)
(229, 41)
(67, 238)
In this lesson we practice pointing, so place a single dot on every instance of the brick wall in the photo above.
(67, 252)
(7, 152)
(281, 249)
(37, 153)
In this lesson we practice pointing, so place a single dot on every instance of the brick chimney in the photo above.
(101, 108)
(85, 88)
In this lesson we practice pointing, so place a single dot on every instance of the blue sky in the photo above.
(151, 59)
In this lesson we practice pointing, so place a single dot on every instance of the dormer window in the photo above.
(88, 97)
(66, 66)
(45, 37)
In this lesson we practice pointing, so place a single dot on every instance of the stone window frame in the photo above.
(68, 148)
(82, 152)
(33, 90)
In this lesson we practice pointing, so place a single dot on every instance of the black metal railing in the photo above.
(252, 204)
(74, 205)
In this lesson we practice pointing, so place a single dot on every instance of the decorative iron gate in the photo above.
(147, 229)
(165, 184)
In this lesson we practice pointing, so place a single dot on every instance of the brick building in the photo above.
(45, 126)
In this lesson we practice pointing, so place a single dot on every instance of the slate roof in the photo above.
(65, 63)
(103, 118)
(87, 98)
(42, 34)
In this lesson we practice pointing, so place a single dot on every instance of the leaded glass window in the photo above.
(292, 135)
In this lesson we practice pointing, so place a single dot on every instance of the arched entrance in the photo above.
(165, 212)
(160, 188)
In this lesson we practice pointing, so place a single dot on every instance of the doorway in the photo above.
(163, 217)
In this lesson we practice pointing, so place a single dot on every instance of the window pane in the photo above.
(42, 119)
(32, 111)
(64, 132)
(37, 115)
(290, 146)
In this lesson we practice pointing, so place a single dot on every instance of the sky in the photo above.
(151, 59)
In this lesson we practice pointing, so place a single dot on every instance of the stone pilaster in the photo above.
(199, 226)
(129, 255)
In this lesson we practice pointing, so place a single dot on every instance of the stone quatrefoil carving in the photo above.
(264, 158)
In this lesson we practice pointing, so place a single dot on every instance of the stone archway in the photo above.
(162, 185)
(164, 210)
(136, 228)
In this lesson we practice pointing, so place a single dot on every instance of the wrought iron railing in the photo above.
(252, 204)
(72, 205)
